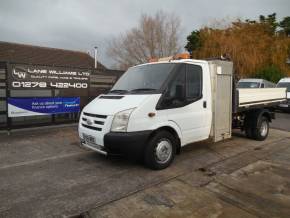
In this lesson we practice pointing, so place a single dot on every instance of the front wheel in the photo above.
(160, 151)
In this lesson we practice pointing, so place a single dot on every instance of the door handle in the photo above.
(204, 104)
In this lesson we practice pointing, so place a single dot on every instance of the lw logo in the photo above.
(19, 74)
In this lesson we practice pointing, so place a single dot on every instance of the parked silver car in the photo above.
(255, 83)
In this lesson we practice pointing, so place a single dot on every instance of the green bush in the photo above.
(271, 73)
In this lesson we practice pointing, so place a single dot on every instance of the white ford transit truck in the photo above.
(157, 108)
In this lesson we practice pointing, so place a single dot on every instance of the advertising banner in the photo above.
(42, 77)
(19, 107)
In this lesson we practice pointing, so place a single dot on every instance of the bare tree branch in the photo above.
(155, 36)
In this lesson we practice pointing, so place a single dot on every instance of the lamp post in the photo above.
(95, 54)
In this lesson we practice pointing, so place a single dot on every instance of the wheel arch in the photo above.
(171, 130)
(267, 114)
(253, 116)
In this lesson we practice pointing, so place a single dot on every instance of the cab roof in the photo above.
(188, 61)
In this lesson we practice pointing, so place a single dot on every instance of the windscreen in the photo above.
(248, 85)
(144, 78)
(284, 85)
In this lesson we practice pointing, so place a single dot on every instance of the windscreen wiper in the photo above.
(142, 89)
(119, 91)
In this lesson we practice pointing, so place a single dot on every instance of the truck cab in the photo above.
(166, 105)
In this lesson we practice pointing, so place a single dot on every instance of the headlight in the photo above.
(120, 121)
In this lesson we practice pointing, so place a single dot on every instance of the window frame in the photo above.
(163, 85)
(190, 100)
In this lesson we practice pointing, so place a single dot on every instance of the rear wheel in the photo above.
(249, 132)
(160, 151)
(262, 130)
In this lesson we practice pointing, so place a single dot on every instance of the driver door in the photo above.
(186, 104)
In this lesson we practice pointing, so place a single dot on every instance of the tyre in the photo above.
(249, 132)
(261, 132)
(160, 151)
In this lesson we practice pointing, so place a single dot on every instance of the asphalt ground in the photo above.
(44, 173)
(282, 121)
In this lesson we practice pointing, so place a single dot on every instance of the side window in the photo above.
(174, 96)
(177, 87)
(193, 82)
(184, 88)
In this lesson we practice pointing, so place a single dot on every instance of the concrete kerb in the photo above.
(36, 129)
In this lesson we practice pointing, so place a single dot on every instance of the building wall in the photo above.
(3, 115)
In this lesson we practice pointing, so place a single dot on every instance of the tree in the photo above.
(285, 25)
(271, 73)
(155, 36)
(250, 45)
(270, 22)
(193, 41)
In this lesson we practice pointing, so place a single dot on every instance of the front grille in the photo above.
(93, 121)
(99, 122)
(92, 127)
(95, 115)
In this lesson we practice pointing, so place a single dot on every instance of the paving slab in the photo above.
(281, 157)
(171, 199)
(47, 174)
(261, 188)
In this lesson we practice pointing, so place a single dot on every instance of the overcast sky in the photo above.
(83, 24)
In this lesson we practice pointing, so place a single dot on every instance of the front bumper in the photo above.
(284, 106)
(98, 149)
(127, 143)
